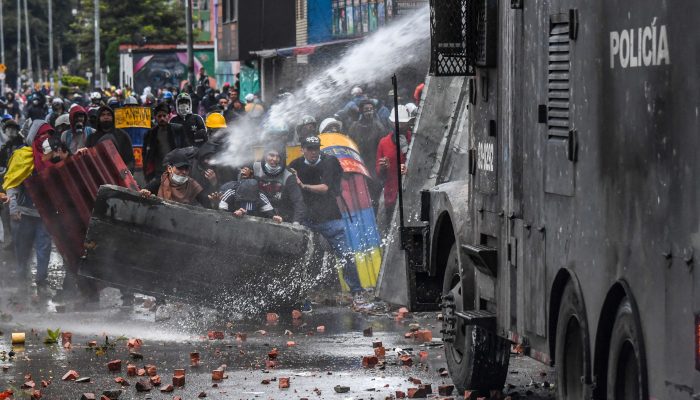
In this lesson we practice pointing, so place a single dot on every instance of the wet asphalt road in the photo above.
(315, 364)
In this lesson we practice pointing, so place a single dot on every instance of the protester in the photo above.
(330, 125)
(387, 162)
(28, 229)
(280, 186)
(76, 137)
(58, 108)
(37, 107)
(215, 122)
(106, 131)
(367, 132)
(12, 106)
(193, 124)
(14, 142)
(62, 124)
(306, 127)
(161, 140)
(175, 184)
(235, 104)
(243, 197)
(318, 176)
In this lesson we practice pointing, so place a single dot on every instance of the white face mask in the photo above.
(183, 108)
(178, 179)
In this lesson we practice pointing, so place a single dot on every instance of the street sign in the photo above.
(3, 68)
(2, 76)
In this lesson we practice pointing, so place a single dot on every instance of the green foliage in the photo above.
(52, 336)
(72, 81)
(122, 22)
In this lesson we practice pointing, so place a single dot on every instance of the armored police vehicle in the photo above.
(561, 209)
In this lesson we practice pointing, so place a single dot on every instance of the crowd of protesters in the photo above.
(182, 158)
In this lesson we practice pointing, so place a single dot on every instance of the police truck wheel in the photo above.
(458, 353)
(571, 346)
(626, 361)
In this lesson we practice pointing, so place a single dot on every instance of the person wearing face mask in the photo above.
(42, 150)
(175, 183)
(367, 131)
(76, 137)
(386, 161)
(14, 142)
(107, 131)
(163, 138)
(319, 176)
(280, 186)
(193, 124)
(37, 107)
(58, 108)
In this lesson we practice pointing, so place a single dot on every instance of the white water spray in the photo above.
(404, 42)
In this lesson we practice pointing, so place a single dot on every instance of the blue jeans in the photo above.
(334, 232)
(28, 232)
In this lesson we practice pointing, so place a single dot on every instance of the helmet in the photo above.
(131, 100)
(182, 97)
(63, 119)
(118, 92)
(328, 122)
(249, 97)
(404, 114)
(412, 109)
(56, 101)
(95, 96)
(112, 101)
(307, 119)
(167, 95)
(5, 117)
(356, 91)
(215, 120)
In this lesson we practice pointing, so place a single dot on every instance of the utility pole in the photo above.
(190, 42)
(51, 37)
(2, 45)
(19, 47)
(98, 71)
(29, 44)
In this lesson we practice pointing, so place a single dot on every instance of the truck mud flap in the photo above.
(167, 249)
(491, 356)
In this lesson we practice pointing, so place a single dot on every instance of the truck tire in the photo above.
(572, 346)
(627, 376)
(457, 353)
(477, 359)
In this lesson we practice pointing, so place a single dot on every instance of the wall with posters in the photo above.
(359, 17)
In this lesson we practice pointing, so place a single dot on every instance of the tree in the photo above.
(138, 22)
(38, 23)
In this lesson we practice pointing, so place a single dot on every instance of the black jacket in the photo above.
(151, 159)
(194, 128)
(121, 140)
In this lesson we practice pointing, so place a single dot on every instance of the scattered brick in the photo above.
(114, 365)
(369, 361)
(283, 383)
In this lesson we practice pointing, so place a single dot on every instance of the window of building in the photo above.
(229, 10)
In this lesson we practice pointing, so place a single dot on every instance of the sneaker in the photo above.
(358, 299)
